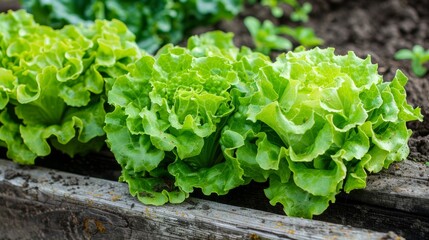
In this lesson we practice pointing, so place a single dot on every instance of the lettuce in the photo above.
(52, 84)
(208, 115)
(168, 115)
(214, 117)
(314, 124)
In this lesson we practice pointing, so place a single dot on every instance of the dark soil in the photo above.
(6, 5)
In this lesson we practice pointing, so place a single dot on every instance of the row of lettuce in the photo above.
(209, 115)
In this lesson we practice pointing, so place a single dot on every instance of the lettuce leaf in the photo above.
(169, 113)
(208, 116)
(53, 83)
(214, 117)
(321, 123)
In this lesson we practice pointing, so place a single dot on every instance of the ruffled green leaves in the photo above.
(169, 113)
(214, 117)
(315, 123)
(52, 84)
(208, 116)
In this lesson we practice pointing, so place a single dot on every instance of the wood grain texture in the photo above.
(39, 203)
(404, 186)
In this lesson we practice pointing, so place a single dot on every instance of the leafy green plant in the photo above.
(214, 117)
(209, 116)
(154, 22)
(52, 84)
(300, 11)
(169, 113)
(303, 35)
(267, 36)
(314, 124)
(418, 57)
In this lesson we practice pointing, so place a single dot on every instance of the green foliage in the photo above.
(300, 11)
(214, 117)
(418, 57)
(314, 124)
(169, 112)
(52, 84)
(268, 37)
(303, 35)
(154, 22)
(208, 116)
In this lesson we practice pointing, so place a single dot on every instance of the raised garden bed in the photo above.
(82, 200)
(39, 203)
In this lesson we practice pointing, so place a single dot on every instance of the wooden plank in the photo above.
(38, 203)
(404, 186)
(402, 209)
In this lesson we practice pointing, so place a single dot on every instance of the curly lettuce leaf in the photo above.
(168, 117)
(53, 83)
(329, 120)
(295, 200)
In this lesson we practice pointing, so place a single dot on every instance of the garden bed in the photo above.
(82, 199)
(39, 203)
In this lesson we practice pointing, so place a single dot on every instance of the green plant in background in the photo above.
(305, 36)
(267, 36)
(52, 84)
(418, 57)
(154, 22)
(299, 14)
(158, 22)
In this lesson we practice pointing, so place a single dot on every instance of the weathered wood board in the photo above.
(404, 186)
(39, 203)
(395, 199)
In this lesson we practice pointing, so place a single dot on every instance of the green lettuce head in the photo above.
(214, 117)
(52, 84)
(314, 123)
(168, 115)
